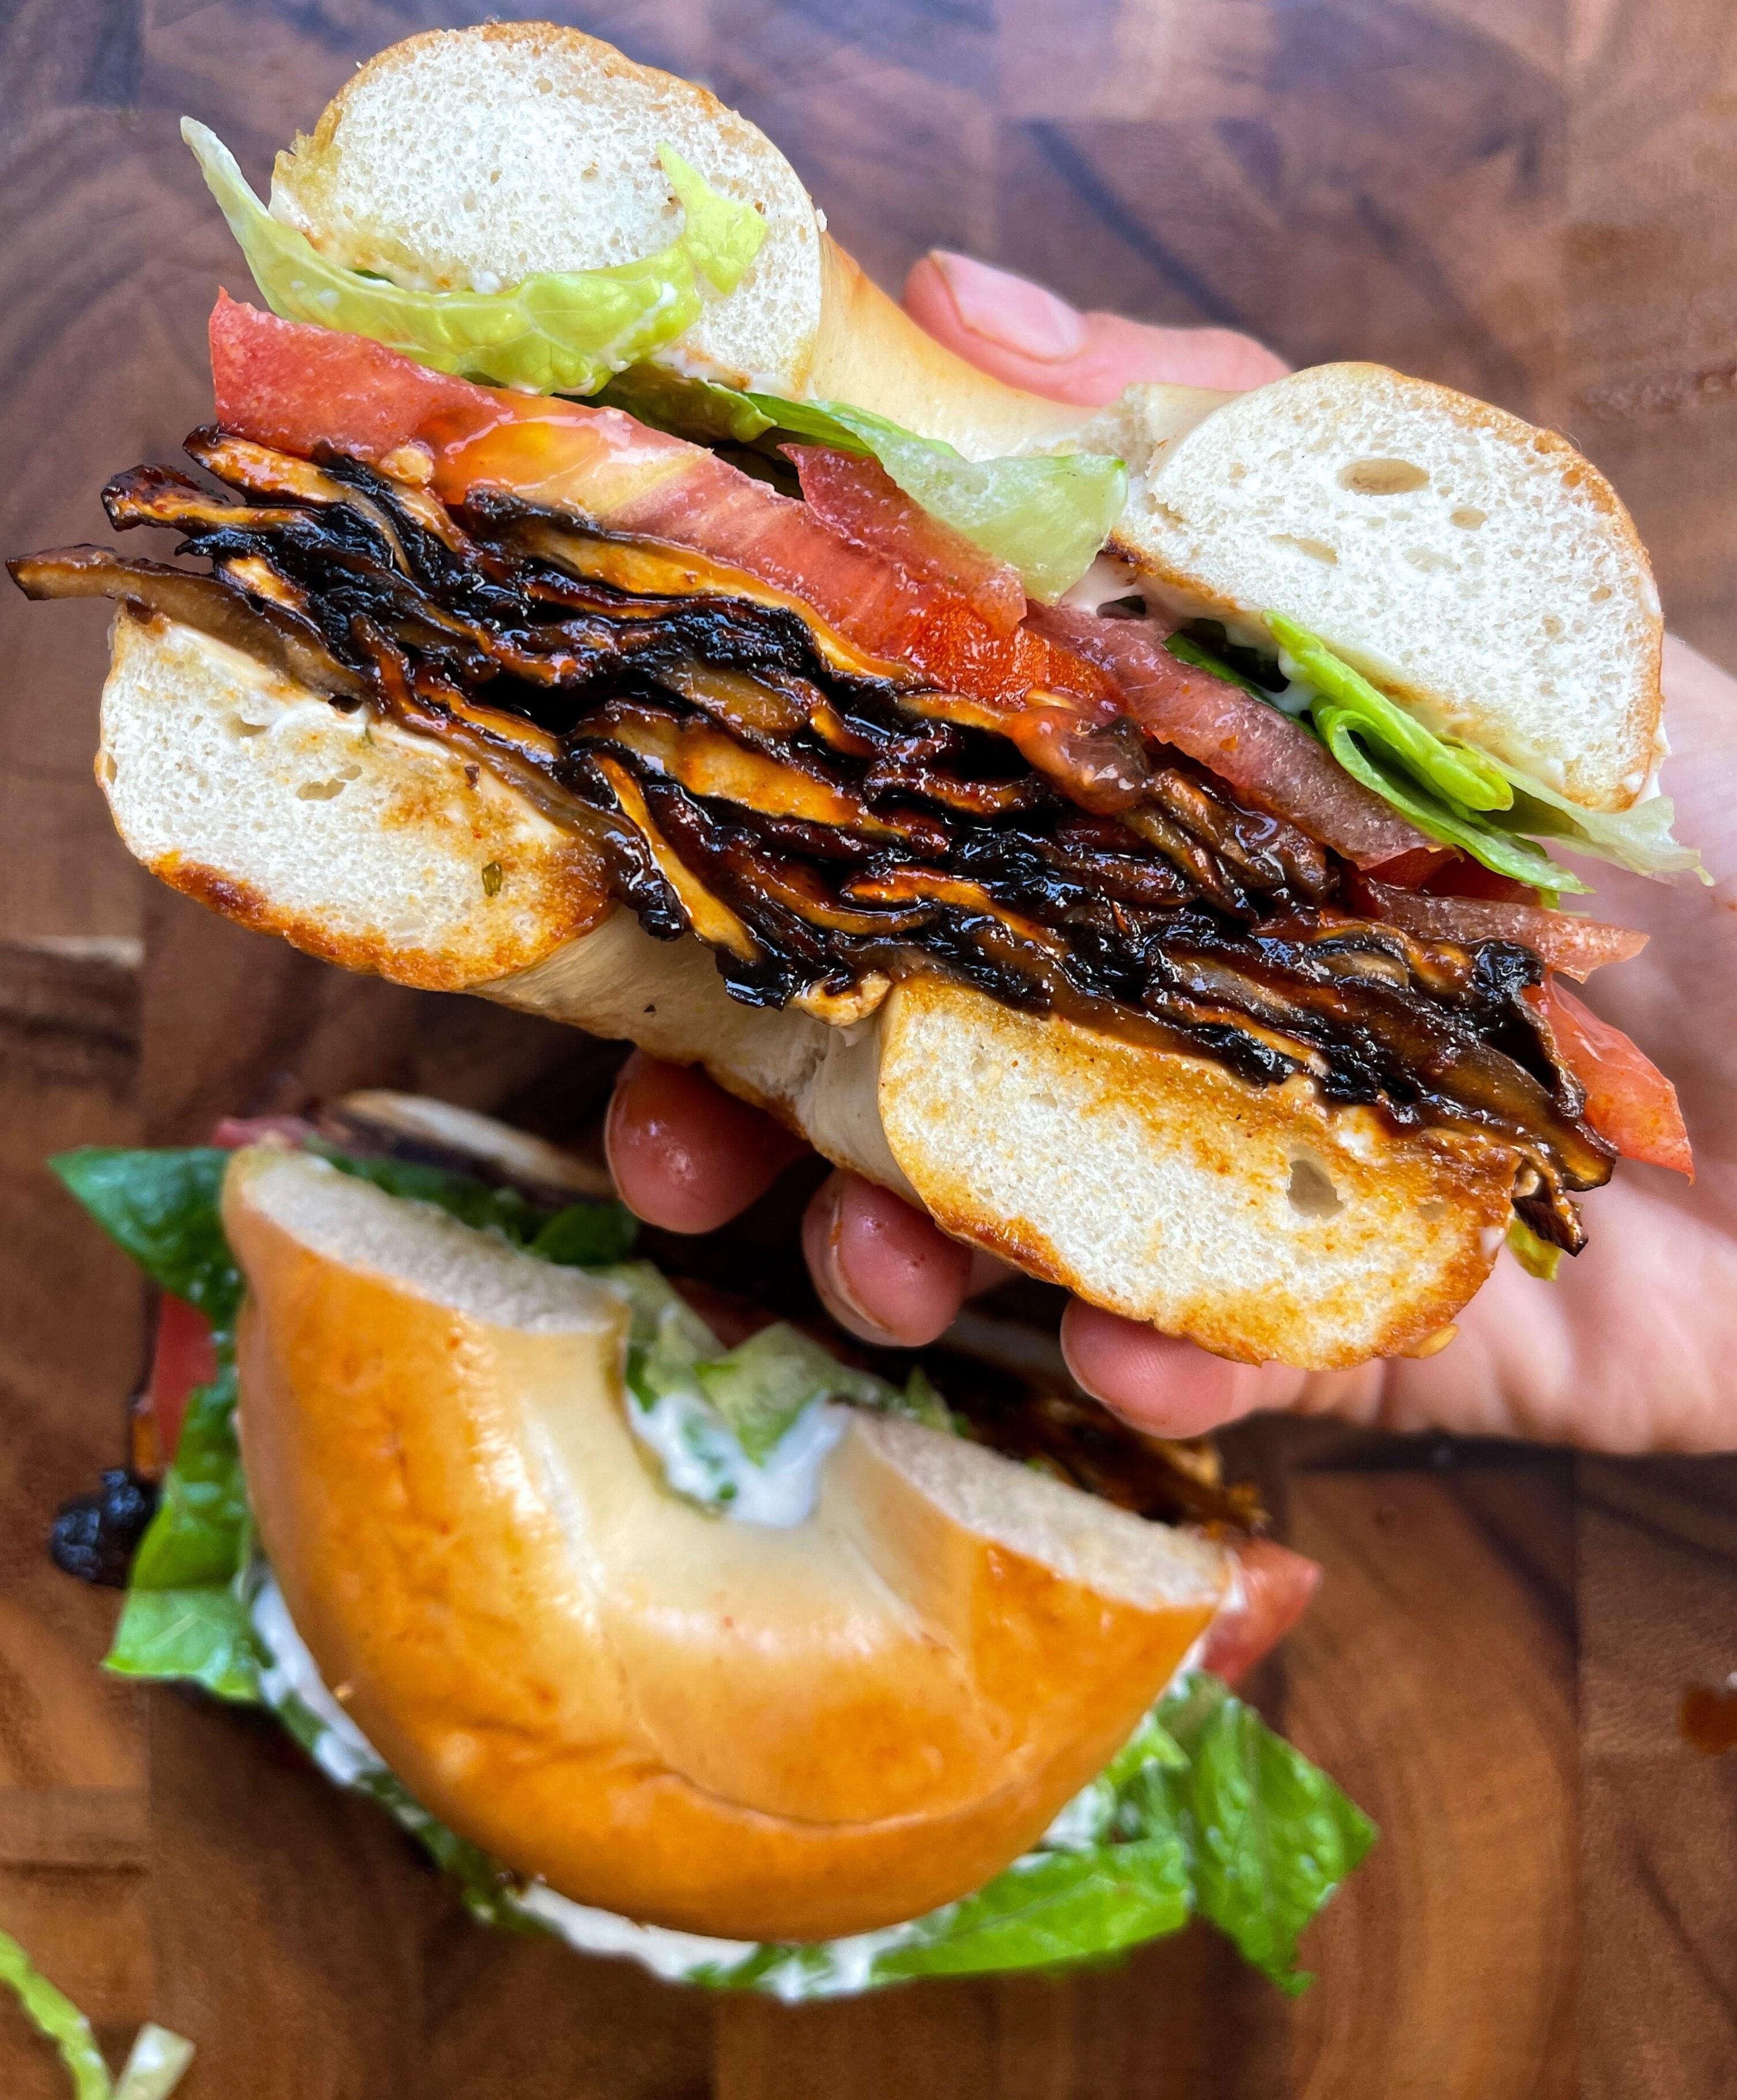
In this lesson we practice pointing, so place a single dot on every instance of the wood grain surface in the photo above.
(1528, 198)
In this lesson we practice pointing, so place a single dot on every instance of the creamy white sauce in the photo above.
(342, 1751)
(701, 1458)
(1106, 581)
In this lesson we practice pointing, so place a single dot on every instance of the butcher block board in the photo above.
(1516, 199)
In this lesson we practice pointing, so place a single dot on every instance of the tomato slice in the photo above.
(182, 1356)
(302, 389)
(1628, 1099)
(1277, 1587)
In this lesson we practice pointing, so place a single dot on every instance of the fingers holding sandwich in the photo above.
(1023, 333)
(689, 1157)
(685, 1154)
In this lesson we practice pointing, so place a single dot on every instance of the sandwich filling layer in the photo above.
(828, 825)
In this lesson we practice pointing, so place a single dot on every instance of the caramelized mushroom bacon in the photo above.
(825, 827)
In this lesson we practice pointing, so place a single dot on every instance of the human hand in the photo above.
(1634, 1348)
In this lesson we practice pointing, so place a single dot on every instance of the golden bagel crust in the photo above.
(764, 1733)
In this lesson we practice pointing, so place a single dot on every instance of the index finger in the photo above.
(685, 1154)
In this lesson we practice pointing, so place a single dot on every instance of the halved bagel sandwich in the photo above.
(663, 1627)
(1127, 834)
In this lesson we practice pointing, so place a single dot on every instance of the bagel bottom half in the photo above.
(1260, 1221)
(766, 1733)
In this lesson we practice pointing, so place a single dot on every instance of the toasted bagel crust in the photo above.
(761, 1732)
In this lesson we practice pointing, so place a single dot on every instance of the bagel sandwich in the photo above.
(745, 1661)
(1129, 833)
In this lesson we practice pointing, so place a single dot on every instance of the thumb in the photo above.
(1018, 332)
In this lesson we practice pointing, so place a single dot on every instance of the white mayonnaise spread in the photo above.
(702, 1459)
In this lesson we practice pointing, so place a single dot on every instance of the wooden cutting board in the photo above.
(1529, 199)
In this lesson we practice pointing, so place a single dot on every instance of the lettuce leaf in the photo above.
(1638, 839)
(1451, 769)
(155, 2066)
(1205, 1810)
(1047, 516)
(191, 1636)
(184, 1618)
(1502, 851)
(1270, 1835)
(1448, 791)
(1537, 1256)
(557, 332)
(1463, 797)
(162, 1207)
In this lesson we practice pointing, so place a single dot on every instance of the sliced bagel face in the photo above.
(471, 159)
(1260, 1221)
(1476, 568)
(758, 1732)
(360, 844)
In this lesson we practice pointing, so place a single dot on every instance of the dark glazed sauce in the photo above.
(1708, 1718)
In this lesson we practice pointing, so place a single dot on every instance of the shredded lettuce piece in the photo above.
(155, 2066)
(1447, 790)
(1047, 516)
(1537, 1256)
(719, 1409)
(556, 332)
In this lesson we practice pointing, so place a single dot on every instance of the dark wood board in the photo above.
(1525, 197)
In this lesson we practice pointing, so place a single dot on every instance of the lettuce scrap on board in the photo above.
(155, 2066)
(1205, 1811)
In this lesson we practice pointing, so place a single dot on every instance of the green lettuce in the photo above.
(1463, 797)
(1046, 516)
(1204, 1812)
(1638, 839)
(556, 332)
(184, 1616)
(723, 1410)
(1537, 1256)
(1447, 789)
(155, 2066)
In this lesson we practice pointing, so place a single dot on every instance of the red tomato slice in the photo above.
(1628, 1099)
(1277, 1587)
(183, 1356)
(859, 498)
(302, 388)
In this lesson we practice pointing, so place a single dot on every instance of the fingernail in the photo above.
(823, 1233)
(1010, 310)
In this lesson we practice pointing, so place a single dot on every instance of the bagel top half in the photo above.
(765, 1732)
(1479, 569)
